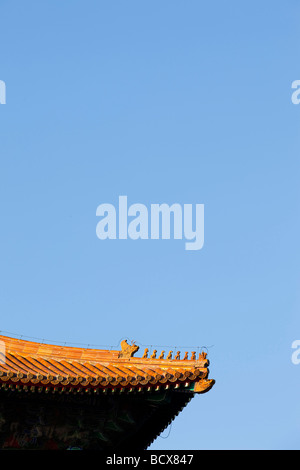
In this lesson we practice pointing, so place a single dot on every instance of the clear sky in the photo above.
(165, 102)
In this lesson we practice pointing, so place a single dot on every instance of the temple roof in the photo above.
(92, 398)
(31, 363)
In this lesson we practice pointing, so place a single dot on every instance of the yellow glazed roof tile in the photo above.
(29, 363)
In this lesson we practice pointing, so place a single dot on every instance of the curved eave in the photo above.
(30, 364)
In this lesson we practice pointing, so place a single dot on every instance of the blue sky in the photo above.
(186, 102)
